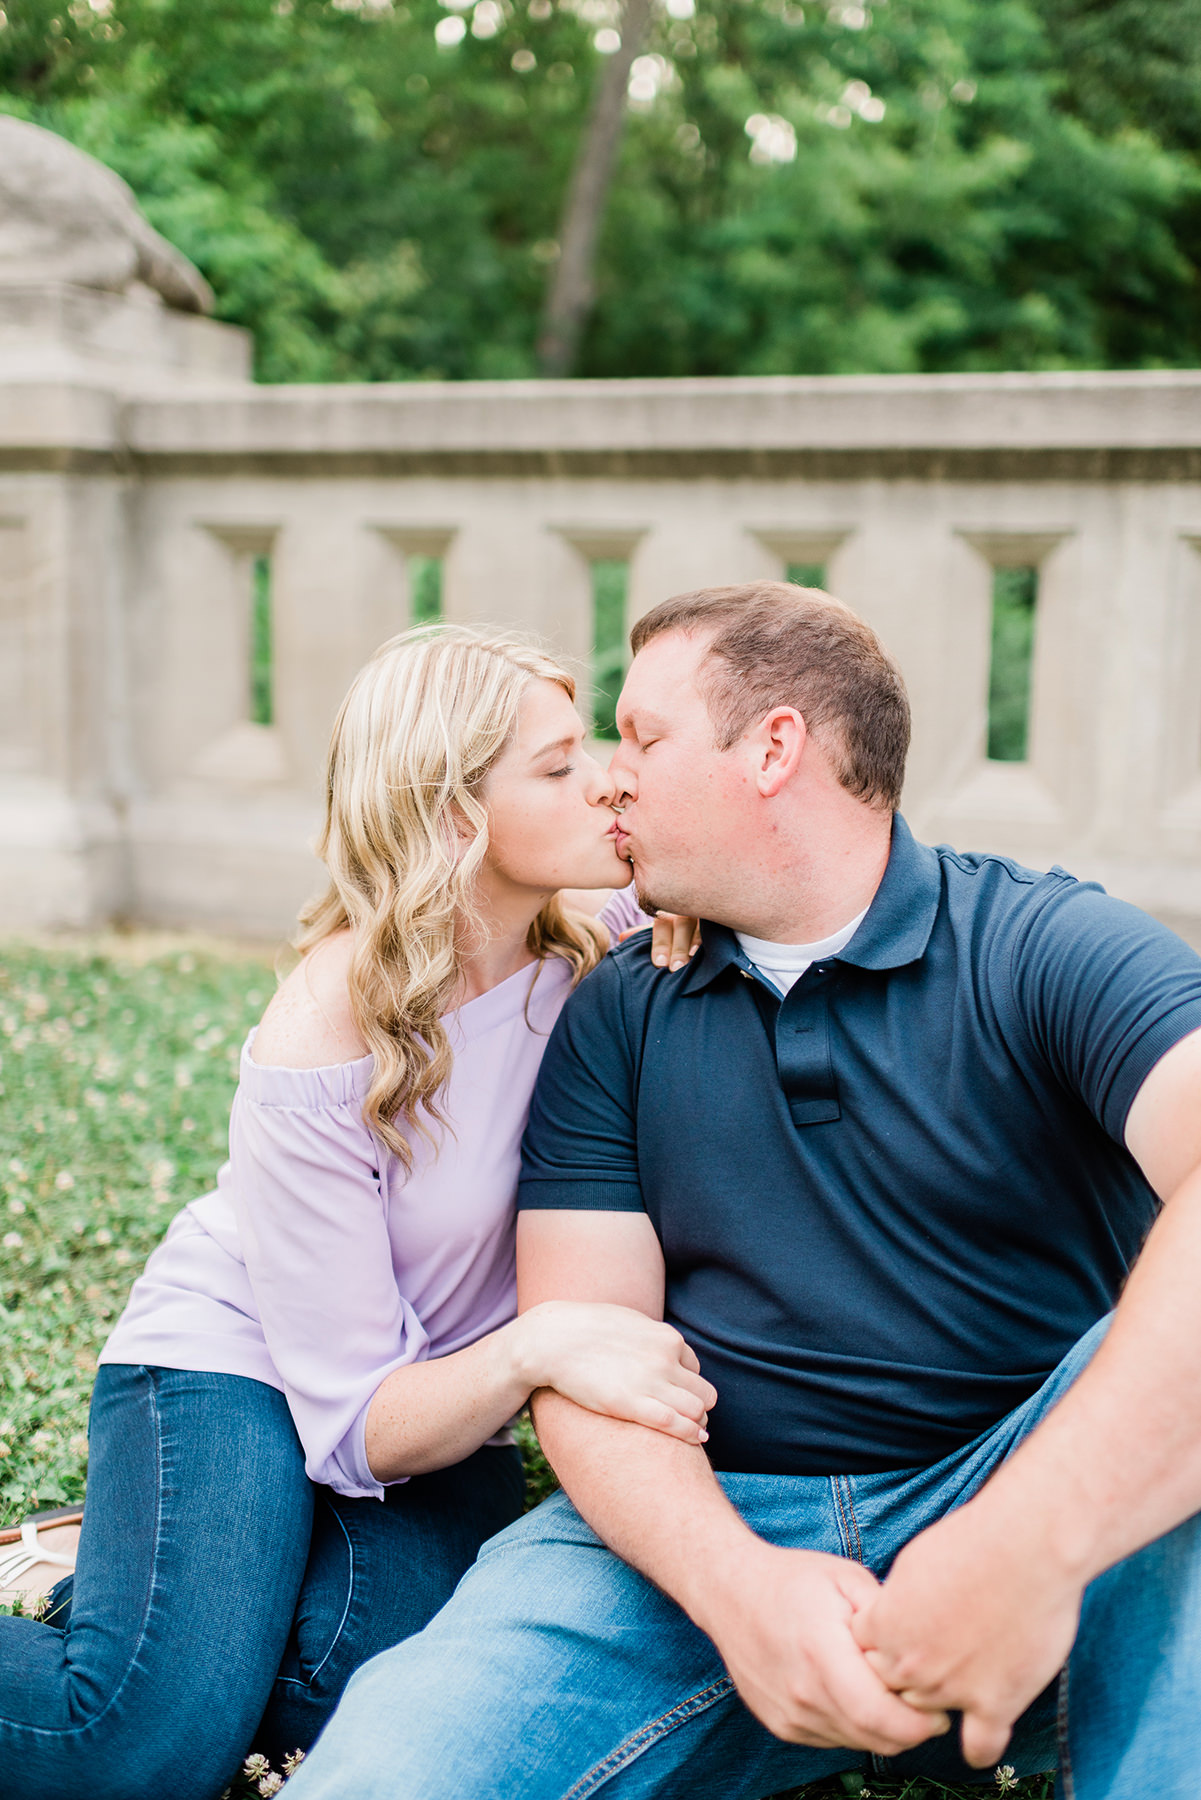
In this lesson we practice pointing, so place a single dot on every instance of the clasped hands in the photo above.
(972, 1618)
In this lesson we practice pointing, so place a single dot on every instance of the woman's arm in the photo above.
(609, 1359)
(370, 1404)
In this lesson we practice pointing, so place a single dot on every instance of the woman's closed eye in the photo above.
(558, 774)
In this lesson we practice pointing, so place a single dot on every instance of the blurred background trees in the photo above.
(378, 187)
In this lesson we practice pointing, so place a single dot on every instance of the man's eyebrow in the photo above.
(636, 716)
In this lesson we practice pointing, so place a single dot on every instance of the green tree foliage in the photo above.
(901, 185)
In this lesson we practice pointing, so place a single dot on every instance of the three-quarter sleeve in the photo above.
(314, 1235)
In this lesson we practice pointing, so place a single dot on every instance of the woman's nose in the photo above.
(602, 788)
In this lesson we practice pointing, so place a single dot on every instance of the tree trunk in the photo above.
(572, 288)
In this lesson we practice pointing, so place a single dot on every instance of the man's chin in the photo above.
(652, 899)
(650, 902)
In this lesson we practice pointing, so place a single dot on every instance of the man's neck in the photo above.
(826, 891)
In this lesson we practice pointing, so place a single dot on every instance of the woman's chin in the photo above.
(614, 872)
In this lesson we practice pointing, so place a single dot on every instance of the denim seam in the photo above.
(848, 1526)
(66, 1731)
(1061, 1732)
(307, 1685)
(844, 1536)
(649, 1734)
(849, 1494)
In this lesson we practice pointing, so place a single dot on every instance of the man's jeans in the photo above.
(557, 1672)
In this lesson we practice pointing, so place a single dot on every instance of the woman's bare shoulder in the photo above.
(309, 1023)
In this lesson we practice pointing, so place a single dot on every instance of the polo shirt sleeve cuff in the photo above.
(1163, 1036)
(538, 1195)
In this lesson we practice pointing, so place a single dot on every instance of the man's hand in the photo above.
(974, 1616)
(980, 1612)
(783, 1626)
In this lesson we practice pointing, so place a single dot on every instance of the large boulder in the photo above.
(64, 217)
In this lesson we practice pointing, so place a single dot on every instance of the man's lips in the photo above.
(621, 839)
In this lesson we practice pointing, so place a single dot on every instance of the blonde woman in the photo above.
(298, 1433)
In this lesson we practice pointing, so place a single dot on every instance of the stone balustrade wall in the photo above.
(138, 487)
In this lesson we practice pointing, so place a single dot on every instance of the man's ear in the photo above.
(780, 740)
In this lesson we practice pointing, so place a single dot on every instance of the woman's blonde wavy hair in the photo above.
(405, 836)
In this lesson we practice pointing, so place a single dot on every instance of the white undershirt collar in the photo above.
(784, 964)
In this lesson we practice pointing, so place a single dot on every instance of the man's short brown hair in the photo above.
(778, 645)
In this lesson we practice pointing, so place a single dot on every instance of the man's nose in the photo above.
(621, 775)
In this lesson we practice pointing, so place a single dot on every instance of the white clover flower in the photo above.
(773, 139)
(270, 1784)
(486, 21)
(255, 1766)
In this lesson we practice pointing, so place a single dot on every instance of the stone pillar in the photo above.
(70, 507)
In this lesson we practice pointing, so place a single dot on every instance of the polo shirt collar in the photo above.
(895, 932)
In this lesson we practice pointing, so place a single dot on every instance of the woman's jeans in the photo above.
(220, 1601)
(558, 1673)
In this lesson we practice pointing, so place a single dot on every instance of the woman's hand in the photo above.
(674, 939)
(614, 1360)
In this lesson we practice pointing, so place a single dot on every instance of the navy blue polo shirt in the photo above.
(890, 1202)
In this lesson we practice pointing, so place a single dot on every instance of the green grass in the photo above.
(116, 1074)
(868, 1787)
(118, 1061)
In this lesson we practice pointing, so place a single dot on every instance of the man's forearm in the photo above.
(780, 1619)
(653, 1500)
(981, 1608)
(1118, 1461)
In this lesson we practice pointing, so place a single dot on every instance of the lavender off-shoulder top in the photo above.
(317, 1264)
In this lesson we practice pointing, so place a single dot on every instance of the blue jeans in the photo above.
(220, 1601)
(557, 1672)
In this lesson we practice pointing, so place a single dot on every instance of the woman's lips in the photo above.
(621, 839)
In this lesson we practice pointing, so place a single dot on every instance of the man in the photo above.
(884, 1151)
